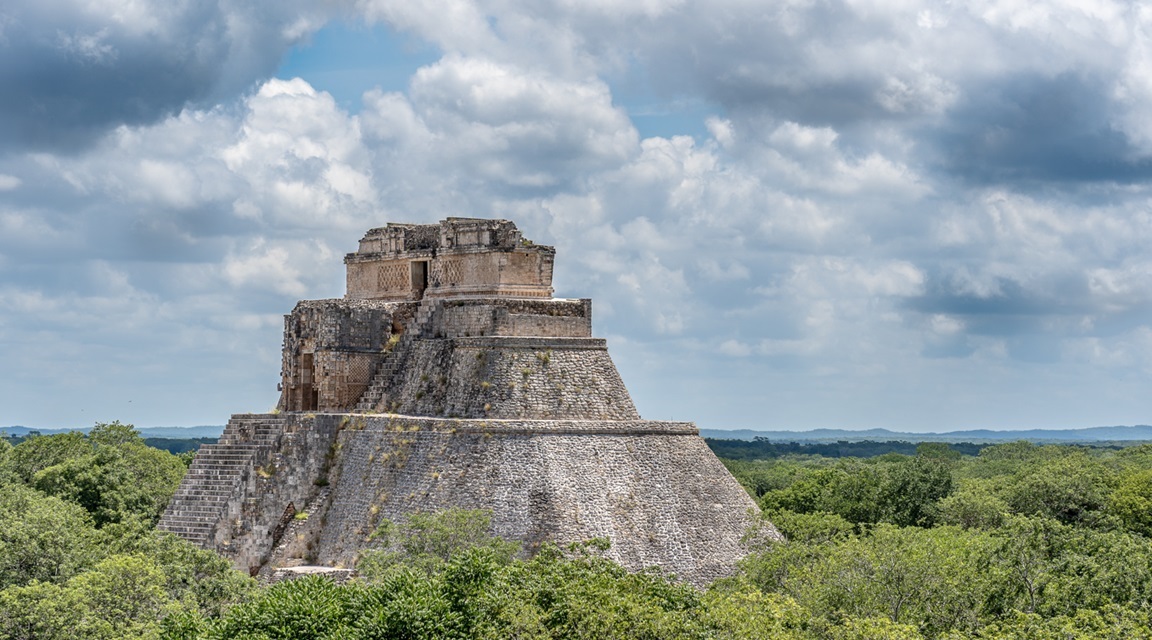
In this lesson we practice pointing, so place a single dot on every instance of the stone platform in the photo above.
(653, 489)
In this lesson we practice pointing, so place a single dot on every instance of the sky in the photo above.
(906, 214)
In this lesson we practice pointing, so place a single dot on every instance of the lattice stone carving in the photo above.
(447, 272)
(392, 277)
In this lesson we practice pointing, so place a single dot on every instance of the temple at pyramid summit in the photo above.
(448, 376)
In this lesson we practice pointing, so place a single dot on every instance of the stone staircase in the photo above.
(385, 373)
(216, 475)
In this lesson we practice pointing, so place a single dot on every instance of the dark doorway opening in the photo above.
(419, 278)
(309, 394)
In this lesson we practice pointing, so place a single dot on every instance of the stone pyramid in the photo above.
(449, 376)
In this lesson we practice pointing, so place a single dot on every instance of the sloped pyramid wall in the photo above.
(653, 489)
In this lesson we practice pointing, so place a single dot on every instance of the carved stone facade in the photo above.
(332, 348)
(449, 377)
(457, 257)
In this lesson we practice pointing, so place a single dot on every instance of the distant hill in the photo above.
(1091, 434)
(182, 433)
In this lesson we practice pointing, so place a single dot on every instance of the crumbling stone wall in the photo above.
(652, 488)
(332, 348)
(241, 494)
(287, 476)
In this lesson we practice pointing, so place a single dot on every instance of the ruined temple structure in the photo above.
(448, 376)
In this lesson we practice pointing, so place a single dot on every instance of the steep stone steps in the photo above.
(420, 327)
(216, 474)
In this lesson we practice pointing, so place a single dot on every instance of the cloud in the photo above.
(74, 70)
(1030, 128)
(521, 128)
(883, 206)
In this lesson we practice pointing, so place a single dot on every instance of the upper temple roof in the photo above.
(455, 257)
(462, 234)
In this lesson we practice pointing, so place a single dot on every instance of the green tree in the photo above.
(1028, 557)
(974, 506)
(1110, 623)
(117, 477)
(310, 608)
(42, 537)
(810, 528)
(192, 575)
(1131, 502)
(40, 452)
(911, 488)
(1071, 488)
(737, 610)
(428, 540)
(114, 434)
(38, 611)
(937, 451)
(123, 596)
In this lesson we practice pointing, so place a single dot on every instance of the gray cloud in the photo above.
(1031, 128)
(897, 212)
(72, 70)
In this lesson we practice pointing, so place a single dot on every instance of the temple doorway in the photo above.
(419, 278)
(309, 395)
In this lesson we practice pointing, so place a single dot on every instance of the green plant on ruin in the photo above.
(392, 341)
(427, 541)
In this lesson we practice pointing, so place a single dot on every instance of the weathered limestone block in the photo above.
(512, 317)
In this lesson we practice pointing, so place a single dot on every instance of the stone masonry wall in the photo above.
(513, 317)
(287, 476)
(505, 377)
(345, 340)
(653, 489)
(457, 257)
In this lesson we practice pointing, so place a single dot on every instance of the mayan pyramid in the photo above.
(448, 376)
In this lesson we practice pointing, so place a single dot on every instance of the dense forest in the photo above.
(1007, 541)
(763, 449)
